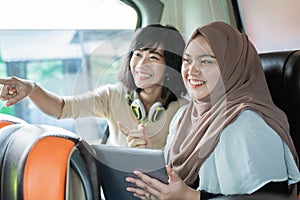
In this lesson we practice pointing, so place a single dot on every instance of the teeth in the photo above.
(142, 75)
(197, 82)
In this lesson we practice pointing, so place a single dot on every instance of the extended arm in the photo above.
(15, 89)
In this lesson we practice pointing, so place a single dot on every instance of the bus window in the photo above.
(267, 31)
(69, 49)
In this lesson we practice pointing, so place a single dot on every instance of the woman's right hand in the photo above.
(15, 89)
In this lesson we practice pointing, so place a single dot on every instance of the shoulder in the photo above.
(249, 126)
(110, 89)
(249, 116)
(115, 86)
(247, 120)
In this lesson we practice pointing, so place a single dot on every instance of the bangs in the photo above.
(147, 45)
(149, 39)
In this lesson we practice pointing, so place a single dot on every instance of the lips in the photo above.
(143, 75)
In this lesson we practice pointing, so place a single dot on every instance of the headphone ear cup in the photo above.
(138, 109)
(155, 111)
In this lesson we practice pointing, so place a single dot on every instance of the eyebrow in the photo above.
(201, 56)
(151, 51)
(155, 52)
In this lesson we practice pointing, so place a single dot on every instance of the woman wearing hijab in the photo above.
(231, 135)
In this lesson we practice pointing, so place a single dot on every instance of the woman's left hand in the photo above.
(152, 189)
(135, 138)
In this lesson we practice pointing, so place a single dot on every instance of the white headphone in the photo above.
(139, 111)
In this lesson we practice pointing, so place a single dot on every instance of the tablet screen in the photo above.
(116, 163)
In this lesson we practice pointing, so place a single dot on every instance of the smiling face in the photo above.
(200, 70)
(148, 67)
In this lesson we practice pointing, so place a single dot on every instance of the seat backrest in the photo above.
(45, 162)
(282, 70)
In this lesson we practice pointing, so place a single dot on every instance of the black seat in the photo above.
(282, 70)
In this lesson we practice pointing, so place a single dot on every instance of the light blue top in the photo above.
(249, 155)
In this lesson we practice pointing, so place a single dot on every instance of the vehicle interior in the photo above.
(70, 47)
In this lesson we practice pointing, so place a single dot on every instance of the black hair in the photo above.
(172, 43)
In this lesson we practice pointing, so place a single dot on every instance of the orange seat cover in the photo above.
(5, 123)
(46, 168)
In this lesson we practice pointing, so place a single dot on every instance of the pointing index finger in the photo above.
(4, 81)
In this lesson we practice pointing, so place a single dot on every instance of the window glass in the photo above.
(272, 25)
(79, 43)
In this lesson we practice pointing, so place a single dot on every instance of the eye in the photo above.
(137, 54)
(187, 60)
(154, 57)
(206, 62)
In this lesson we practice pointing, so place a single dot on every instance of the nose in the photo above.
(143, 60)
(193, 69)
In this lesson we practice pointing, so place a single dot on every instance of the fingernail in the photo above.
(136, 172)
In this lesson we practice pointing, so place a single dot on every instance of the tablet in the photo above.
(116, 163)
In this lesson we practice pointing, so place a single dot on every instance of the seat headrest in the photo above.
(9, 120)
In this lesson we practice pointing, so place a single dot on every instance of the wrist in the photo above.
(33, 88)
(190, 194)
(195, 194)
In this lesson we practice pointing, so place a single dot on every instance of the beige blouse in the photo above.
(109, 102)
